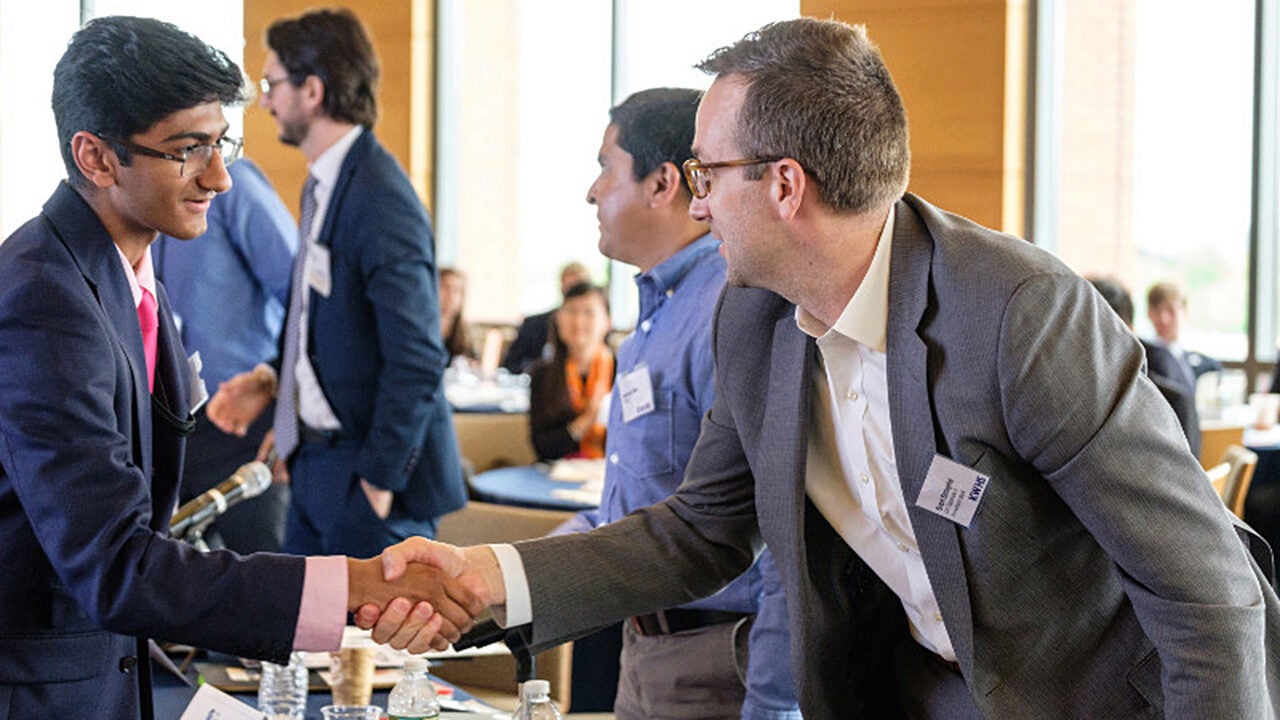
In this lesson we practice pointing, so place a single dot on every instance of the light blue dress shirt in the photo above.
(645, 458)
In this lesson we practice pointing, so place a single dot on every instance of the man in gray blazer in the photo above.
(969, 521)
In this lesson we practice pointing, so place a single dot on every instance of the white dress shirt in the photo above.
(313, 407)
(851, 474)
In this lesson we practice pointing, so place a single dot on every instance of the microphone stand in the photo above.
(516, 639)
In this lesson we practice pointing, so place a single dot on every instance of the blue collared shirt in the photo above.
(229, 286)
(646, 458)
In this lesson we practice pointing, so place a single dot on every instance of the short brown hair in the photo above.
(818, 92)
(1165, 292)
(333, 46)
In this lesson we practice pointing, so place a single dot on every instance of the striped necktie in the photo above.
(286, 419)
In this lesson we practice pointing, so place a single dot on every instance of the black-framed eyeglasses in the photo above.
(199, 156)
(266, 84)
(698, 173)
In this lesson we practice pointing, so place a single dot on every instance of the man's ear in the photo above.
(663, 184)
(97, 162)
(788, 187)
(312, 91)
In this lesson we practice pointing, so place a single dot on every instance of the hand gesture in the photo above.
(240, 400)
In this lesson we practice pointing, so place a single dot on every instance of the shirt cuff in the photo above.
(519, 607)
(322, 614)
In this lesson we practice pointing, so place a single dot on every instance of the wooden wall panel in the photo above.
(402, 32)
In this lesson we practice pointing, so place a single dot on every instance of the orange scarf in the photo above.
(599, 376)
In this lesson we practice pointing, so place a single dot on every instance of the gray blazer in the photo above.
(1101, 577)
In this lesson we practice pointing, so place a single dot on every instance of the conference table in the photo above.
(571, 485)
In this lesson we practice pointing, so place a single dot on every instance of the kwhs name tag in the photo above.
(952, 490)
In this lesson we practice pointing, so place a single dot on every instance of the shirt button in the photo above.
(864, 479)
(904, 548)
(613, 459)
(671, 291)
(851, 395)
(937, 617)
(644, 326)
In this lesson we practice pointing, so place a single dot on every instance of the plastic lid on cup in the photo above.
(536, 689)
(415, 664)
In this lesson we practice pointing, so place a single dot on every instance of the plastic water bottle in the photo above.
(535, 702)
(282, 692)
(414, 696)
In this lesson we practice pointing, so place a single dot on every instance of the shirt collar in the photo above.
(866, 318)
(143, 276)
(326, 167)
(662, 278)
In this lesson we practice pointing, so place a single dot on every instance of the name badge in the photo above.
(318, 276)
(952, 490)
(198, 392)
(635, 389)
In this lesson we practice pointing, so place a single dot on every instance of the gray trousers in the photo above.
(691, 675)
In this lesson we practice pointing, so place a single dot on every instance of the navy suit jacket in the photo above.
(89, 470)
(374, 341)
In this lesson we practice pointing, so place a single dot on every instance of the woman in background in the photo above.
(453, 328)
(566, 392)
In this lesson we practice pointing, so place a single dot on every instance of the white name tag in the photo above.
(211, 703)
(635, 389)
(318, 276)
(952, 490)
(198, 392)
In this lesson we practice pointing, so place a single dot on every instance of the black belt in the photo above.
(324, 437)
(668, 622)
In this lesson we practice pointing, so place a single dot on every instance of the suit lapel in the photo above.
(913, 420)
(782, 455)
(95, 253)
(355, 155)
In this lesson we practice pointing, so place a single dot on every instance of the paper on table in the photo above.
(210, 703)
(577, 470)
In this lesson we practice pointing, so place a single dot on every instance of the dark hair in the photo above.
(1116, 296)
(656, 126)
(818, 92)
(121, 75)
(333, 46)
(577, 291)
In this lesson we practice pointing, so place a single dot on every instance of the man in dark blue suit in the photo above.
(96, 396)
(362, 428)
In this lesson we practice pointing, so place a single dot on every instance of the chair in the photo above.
(478, 523)
(1218, 478)
(1242, 462)
(494, 440)
(1214, 440)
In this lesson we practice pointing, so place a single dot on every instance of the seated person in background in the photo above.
(453, 327)
(1180, 399)
(533, 339)
(1166, 308)
(565, 392)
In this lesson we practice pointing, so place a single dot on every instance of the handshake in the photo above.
(456, 584)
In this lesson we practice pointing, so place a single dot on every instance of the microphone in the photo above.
(249, 481)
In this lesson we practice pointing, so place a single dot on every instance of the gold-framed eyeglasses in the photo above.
(266, 84)
(197, 157)
(698, 173)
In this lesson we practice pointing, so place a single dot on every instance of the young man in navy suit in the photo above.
(362, 427)
(96, 396)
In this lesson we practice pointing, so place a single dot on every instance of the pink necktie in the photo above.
(149, 320)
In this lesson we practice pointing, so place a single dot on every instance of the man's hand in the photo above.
(415, 628)
(240, 400)
(445, 606)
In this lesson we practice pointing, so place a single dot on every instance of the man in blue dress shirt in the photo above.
(229, 289)
(727, 655)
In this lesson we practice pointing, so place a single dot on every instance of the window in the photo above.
(1146, 150)
(523, 102)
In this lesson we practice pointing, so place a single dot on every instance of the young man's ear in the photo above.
(95, 158)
